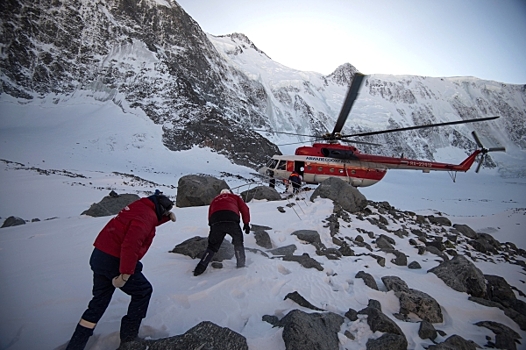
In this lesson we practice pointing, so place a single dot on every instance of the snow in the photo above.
(46, 280)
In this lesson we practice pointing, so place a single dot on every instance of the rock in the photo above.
(414, 301)
(516, 316)
(426, 330)
(414, 265)
(261, 192)
(196, 246)
(347, 196)
(351, 314)
(498, 290)
(387, 341)
(13, 221)
(206, 335)
(198, 190)
(310, 236)
(298, 299)
(465, 230)
(462, 275)
(286, 250)
(318, 331)
(382, 243)
(455, 342)
(273, 320)
(485, 243)
(434, 250)
(439, 220)
(305, 260)
(110, 205)
(401, 258)
(368, 279)
(263, 239)
(378, 321)
(505, 337)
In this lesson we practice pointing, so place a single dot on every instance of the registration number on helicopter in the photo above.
(421, 164)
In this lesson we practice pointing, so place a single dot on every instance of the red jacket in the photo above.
(129, 234)
(229, 202)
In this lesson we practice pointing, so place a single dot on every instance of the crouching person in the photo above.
(115, 262)
(223, 218)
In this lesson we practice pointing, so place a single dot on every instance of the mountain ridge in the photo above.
(155, 57)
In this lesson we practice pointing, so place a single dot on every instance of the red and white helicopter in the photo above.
(321, 161)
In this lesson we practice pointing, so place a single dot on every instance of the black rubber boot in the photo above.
(129, 329)
(203, 264)
(240, 255)
(79, 338)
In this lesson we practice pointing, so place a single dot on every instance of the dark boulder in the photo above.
(206, 335)
(261, 192)
(368, 279)
(195, 247)
(318, 331)
(198, 190)
(465, 230)
(462, 275)
(455, 342)
(13, 221)
(414, 301)
(110, 205)
(347, 196)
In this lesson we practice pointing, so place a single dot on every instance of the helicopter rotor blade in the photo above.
(352, 94)
(362, 142)
(480, 162)
(285, 133)
(421, 127)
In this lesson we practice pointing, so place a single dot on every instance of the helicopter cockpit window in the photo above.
(271, 164)
(282, 165)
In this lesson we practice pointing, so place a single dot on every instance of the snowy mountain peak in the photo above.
(343, 74)
(242, 42)
(200, 89)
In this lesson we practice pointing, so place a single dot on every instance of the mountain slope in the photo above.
(212, 91)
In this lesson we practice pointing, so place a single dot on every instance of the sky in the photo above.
(480, 38)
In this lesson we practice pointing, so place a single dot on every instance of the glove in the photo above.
(172, 216)
(120, 280)
(246, 228)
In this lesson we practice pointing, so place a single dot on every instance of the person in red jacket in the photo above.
(223, 218)
(115, 262)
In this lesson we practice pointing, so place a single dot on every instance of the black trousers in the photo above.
(105, 267)
(218, 232)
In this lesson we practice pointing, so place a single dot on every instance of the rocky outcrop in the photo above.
(205, 335)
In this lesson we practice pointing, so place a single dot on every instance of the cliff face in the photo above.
(213, 91)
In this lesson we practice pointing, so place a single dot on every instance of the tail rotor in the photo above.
(484, 150)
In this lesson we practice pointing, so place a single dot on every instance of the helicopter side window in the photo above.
(331, 170)
(320, 169)
(282, 165)
(341, 171)
(271, 164)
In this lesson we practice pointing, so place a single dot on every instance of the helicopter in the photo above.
(324, 160)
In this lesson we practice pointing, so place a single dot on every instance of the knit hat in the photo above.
(162, 204)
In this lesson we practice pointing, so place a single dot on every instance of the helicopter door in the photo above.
(299, 167)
